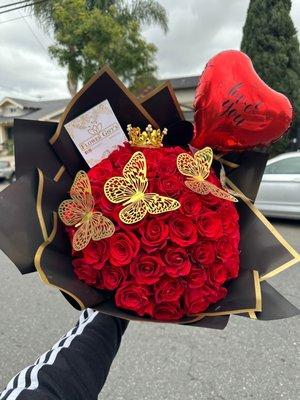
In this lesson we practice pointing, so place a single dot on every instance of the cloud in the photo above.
(26, 70)
(198, 29)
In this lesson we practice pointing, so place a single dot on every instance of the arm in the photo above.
(77, 365)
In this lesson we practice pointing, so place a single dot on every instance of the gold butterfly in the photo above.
(197, 169)
(130, 189)
(79, 212)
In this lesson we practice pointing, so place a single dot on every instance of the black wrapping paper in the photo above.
(264, 252)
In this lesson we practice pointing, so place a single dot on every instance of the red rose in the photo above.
(182, 230)
(167, 164)
(210, 225)
(211, 202)
(132, 296)
(147, 269)
(153, 158)
(203, 253)
(101, 172)
(121, 156)
(217, 273)
(85, 272)
(195, 301)
(190, 204)
(177, 261)
(111, 277)
(216, 294)
(95, 254)
(232, 266)
(197, 277)
(154, 233)
(170, 311)
(229, 217)
(168, 289)
(123, 247)
(169, 185)
(225, 249)
(103, 204)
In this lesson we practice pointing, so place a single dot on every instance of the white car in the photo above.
(279, 192)
(6, 171)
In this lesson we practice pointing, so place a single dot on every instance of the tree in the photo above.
(91, 33)
(270, 40)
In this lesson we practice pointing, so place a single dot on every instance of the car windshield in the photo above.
(4, 164)
(286, 166)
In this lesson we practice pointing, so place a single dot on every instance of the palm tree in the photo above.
(146, 12)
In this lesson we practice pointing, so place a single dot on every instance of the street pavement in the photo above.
(248, 360)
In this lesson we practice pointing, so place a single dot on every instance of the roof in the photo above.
(186, 82)
(47, 108)
(39, 110)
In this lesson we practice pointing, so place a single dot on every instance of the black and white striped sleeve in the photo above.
(77, 365)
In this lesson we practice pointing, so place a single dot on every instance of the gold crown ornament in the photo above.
(148, 138)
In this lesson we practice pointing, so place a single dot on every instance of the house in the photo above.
(11, 108)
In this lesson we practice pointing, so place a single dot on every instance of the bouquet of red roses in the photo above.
(162, 227)
(164, 258)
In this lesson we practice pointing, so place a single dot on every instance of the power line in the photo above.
(13, 4)
(23, 6)
(10, 20)
(33, 33)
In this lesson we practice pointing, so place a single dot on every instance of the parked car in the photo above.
(6, 171)
(279, 192)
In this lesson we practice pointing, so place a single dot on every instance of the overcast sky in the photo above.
(198, 29)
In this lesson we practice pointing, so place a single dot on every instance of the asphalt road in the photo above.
(248, 360)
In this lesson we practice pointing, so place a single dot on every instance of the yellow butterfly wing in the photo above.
(101, 226)
(222, 194)
(81, 186)
(156, 204)
(197, 186)
(134, 212)
(119, 189)
(204, 159)
(135, 171)
(71, 212)
(82, 236)
(187, 165)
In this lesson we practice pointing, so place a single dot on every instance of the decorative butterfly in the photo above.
(79, 212)
(130, 189)
(197, 169)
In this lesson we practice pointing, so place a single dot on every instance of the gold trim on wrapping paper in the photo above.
(112, 75)
(275, 233)
(219, 157)
(252, 315)
(280, 269)
(39, 210)
(39, 268)
(161, 87)
(59, 173)
(257, 292)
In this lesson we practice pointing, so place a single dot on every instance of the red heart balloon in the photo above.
(235, 109)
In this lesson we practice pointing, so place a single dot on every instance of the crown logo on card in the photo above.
(95, 128)
(148, 138)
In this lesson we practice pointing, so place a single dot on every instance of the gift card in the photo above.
(96, 133)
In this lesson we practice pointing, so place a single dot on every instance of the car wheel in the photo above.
(12, 178)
